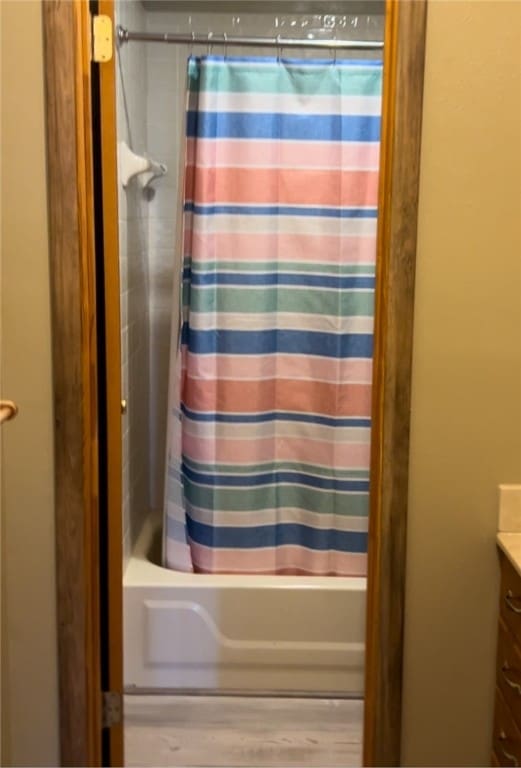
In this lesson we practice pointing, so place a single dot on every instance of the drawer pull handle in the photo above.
(512, 758)
(516, 686)
(509, 598)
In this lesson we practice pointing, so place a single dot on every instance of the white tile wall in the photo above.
(134, 276)
(154, 79)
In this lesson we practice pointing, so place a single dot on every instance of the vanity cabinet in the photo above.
(506, 748)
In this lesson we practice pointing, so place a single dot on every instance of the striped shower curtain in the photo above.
(270, 379)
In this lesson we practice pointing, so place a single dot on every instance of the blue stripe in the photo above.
(271, 478)
(254, 537)
(256, 418)
(279, 278)
(281, 210)
(220, 342)
(282, 126)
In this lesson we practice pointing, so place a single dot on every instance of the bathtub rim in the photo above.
(142, 571)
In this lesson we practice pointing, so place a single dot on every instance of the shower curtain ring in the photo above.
(192, 44)
(209, 46)
(278, 49)
(334, 51)
(225, 43)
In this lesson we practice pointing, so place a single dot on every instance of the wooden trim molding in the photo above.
(113, 581)
(75, 356)
(398, 205)
(71, 235)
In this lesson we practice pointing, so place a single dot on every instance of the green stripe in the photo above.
(318, 80)
(279, 495)
(277, 466)
(342, 303)
(282, 266)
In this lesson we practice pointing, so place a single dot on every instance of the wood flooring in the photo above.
(233, 731)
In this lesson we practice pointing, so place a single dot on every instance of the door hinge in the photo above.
(111, 709)
(102, 45)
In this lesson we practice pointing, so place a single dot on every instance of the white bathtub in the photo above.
(240, 633)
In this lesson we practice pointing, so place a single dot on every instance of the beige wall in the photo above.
(29, 698)
(466, 429)
(466, 408)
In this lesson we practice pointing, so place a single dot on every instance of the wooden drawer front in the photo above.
(508, 672)
(510, 608)
(507, 738)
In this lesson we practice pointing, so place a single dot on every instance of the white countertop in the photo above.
(509, 535)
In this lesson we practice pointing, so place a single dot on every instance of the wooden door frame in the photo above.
(404, 59)
(71, 184)
(74, 349)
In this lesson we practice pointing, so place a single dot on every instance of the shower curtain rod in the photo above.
(125, 36)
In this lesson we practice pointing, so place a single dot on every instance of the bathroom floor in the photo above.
(233, 731)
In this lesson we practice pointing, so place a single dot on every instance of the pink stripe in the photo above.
(293, 154)
(284, 559)
(178, 556)
(240, 246)
(287, 186)
(254, 451)
(278, 394)
(280, 366)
